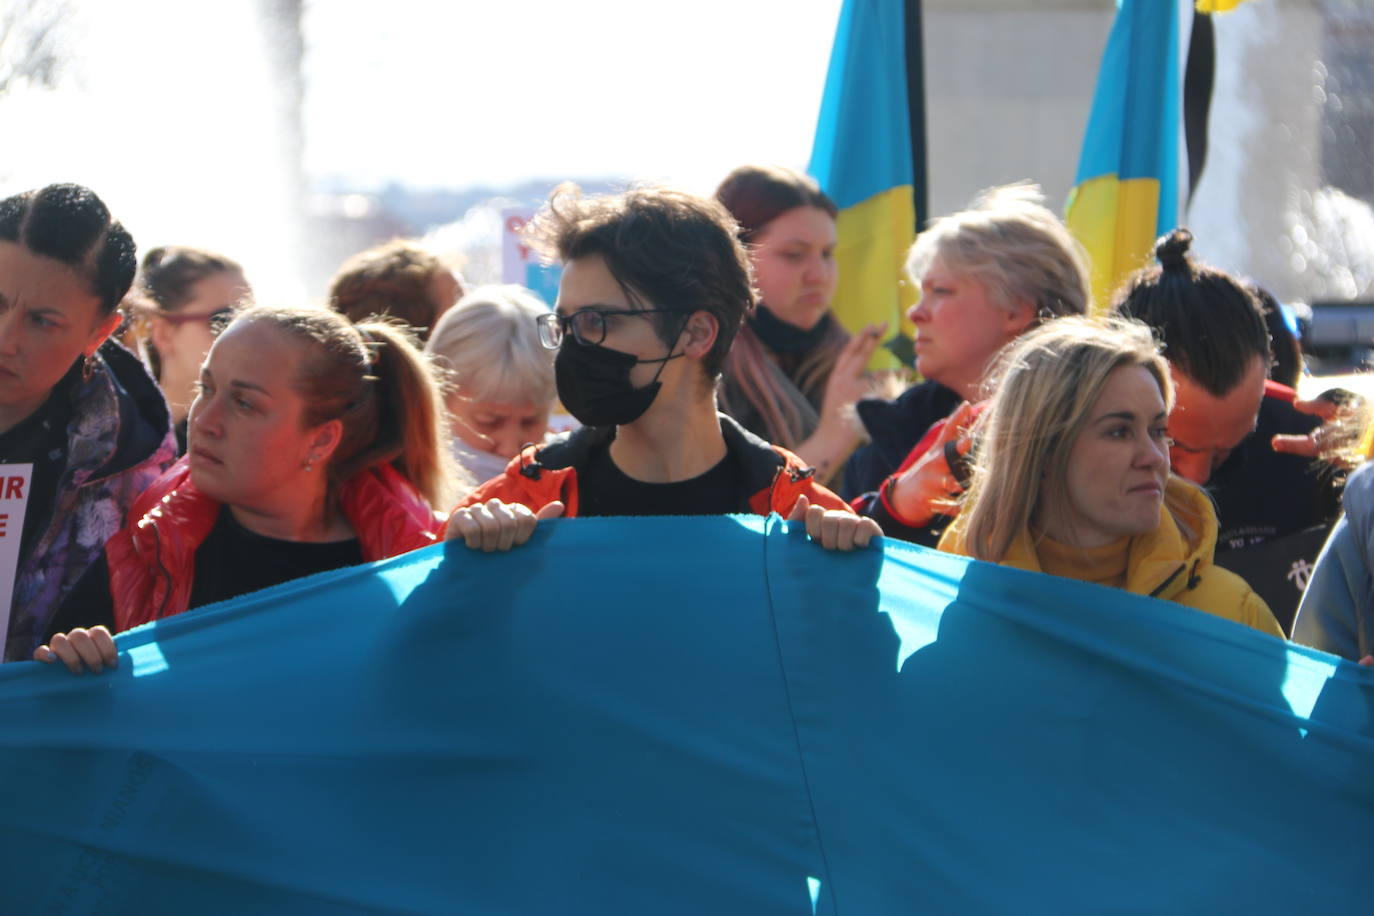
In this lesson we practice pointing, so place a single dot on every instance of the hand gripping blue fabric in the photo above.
(688, 716)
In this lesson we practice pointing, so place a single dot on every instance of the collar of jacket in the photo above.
(759, 461)
(119, 417)
(1164, 562)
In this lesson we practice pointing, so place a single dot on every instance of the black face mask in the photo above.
(594, 383)
(781, 337)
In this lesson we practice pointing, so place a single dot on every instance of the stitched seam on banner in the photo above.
(770, 528)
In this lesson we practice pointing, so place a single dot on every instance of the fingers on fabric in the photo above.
(494, 525)
(81, 650)
(799, 508)
(837, 529)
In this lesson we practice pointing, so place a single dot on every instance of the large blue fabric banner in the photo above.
(689, 716)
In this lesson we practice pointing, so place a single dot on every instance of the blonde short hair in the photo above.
(1010, 242)
(489, 345)
(1046, 383)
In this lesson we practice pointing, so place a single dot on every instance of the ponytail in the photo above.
(406, 423)
(376, 382)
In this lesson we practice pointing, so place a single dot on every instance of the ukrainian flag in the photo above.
(1126, 194)
(863, 158)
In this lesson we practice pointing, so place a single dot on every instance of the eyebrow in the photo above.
(251, 387)
(1127, 415)
(205, 374)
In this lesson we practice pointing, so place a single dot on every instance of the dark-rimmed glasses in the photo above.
(587, 326)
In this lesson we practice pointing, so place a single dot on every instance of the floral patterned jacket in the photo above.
(118, 442)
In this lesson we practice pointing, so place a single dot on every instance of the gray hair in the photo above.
(1009, 241)
(489, 345)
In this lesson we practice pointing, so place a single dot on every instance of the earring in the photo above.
(88, 367)
(309, 461)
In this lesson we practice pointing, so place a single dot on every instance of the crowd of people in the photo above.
(189, 446)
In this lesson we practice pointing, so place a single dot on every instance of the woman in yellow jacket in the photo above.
(1072, 475)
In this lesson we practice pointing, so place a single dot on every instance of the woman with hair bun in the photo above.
(1072, 474)
(78, 407)
(793, 373)
(987, 275)
(314, 444)
(183, 296)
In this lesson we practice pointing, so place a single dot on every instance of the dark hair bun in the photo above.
(1171, 251)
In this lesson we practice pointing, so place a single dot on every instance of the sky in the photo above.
(167, 108)
(472, 93)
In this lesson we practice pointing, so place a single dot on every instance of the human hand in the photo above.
(930, 485)
(1331, 442)
(1368, 661)
(834, 529)
(495, 525)
(849, 381)
(81, 649)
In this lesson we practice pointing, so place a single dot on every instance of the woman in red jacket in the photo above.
(313, 445)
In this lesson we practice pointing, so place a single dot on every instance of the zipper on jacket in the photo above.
(1172, 576)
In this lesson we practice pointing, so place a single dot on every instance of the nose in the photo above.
(1153, 455)
(917, 314)
(205, 416)
(506, 442)
(1191, 465)
(814, 275)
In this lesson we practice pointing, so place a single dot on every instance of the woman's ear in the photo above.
(160, 333)
(701, 332)
(103, 330)
(1021, 317)
(326, 439)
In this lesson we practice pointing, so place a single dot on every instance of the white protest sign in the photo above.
(521, 264)
(14, 497)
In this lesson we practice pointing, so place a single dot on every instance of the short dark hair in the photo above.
(1208, 321)
(71, 225)
(675, 250)
(756, 195)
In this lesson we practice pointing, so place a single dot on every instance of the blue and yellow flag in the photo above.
(864, 157)
(1126, 193)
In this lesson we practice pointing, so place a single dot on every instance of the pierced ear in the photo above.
(327, 437)
(102, 332)
(701, 331)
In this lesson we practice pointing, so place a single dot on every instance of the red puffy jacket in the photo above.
(152, 559)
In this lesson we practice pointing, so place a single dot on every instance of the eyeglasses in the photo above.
(587, 326)
(216, 319)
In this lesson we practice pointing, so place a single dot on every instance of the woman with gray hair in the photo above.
(987, 275)
(1072, 476)
(500, 383)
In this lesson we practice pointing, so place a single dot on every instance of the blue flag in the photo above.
(688, 716)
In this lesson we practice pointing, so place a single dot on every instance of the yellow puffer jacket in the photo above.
(1172, 562)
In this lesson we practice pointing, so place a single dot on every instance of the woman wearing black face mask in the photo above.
(654, 287)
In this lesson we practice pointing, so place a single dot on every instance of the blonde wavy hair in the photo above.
(1010, 242)
(1045, 384)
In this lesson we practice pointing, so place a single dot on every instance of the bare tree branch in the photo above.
(30, 43)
